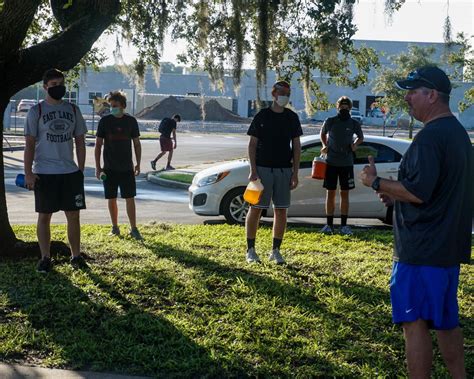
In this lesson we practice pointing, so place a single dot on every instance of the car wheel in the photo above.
(234, 207)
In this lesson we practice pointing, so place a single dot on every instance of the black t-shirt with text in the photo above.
(437, 169)
(118, 133)
(275, 132)
(167, 125)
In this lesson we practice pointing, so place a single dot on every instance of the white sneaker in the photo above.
(346, 230)
(275, 255)
(327, 230)
(252, 256)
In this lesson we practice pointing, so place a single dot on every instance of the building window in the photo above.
(71, 96)
(93, 95)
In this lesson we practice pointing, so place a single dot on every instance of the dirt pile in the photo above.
(189, 111)
(216, 112)
(170, 106)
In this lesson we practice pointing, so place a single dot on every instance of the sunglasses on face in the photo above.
(414, 75)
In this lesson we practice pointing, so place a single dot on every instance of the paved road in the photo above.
(154, 203)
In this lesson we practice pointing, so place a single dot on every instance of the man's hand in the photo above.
(387, 200)
(98, 170)
(368, 173)
(30, 180)
(294, 181)
(354, 147)
(324, 150)
(137, 170)
(175, 145)
(384, 198)
(253, 176)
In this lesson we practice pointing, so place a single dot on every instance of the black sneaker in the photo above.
(134, 233)
(44, 265)
(79, 262)
(115, 231)
(153, 165)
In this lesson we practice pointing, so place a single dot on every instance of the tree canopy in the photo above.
(456, 57)
(296, 39)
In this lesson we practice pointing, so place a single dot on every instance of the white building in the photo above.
(197, 84)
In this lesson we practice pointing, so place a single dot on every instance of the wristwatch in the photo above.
(376, 184)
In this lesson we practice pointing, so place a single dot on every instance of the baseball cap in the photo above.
(429, 77)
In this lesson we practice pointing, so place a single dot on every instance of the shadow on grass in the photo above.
(28, 250)
(377, 330)
(102, 324)
(95, 327)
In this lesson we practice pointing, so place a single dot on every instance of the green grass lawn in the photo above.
(184, 303)
(181, 177)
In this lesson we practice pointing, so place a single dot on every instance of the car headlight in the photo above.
(211, 179)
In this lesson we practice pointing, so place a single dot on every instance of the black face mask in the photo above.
(344, 114)
(57, 92)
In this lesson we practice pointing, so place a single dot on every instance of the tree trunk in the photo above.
(82, 23)
(7, 237)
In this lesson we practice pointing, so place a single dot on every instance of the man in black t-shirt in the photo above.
(116, 132)
(432, 226)
(274, 155)
(166, 128)
(337, 137)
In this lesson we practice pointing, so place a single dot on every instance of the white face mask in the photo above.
(282, 101)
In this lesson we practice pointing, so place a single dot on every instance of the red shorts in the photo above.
(166, 143)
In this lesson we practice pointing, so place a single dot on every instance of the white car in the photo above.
(219, 190)
(24, 105)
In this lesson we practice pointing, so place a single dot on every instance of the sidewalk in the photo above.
(15, 371)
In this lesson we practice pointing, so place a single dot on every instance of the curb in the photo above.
(153, 178)
(13, 148)
(16, 371)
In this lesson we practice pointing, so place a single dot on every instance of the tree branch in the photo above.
(77, 40)
(15, 20)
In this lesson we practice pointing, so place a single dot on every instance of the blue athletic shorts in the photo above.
(425, 292)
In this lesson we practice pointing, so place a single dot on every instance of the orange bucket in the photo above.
(319, 168)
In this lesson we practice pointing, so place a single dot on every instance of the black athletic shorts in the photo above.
(345, 175)
(55, 192)
(125, 180)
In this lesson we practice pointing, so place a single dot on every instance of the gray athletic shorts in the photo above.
(276, 187)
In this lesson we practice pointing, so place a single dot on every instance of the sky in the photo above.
(416, 21)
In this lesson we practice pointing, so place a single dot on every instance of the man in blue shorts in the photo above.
(432, 226)
(274, 155)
